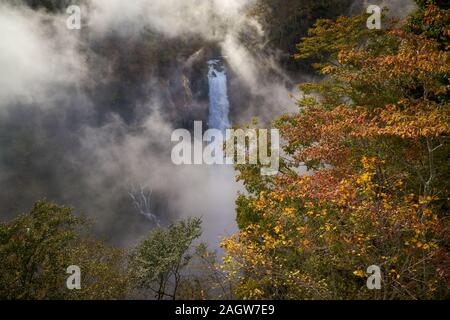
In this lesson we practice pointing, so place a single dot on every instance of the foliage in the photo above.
(157, 262)
(432, 20)
(364, 180)
(36, 249)
(374, 136)
(285, 20)
(205, 279)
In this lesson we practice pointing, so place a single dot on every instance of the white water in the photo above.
(141, 198)
(219, 106)
(223, 188)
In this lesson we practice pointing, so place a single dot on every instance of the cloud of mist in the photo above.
(122, 158)
(86, 154)
(38, 58)
(274, 91)
(171, 17)
(86, 116)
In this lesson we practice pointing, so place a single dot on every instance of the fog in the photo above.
(60, 142)
(86, 115)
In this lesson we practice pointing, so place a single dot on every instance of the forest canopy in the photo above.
(374, 134)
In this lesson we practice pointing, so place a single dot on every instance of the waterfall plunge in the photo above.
(219, 106)
(223, 188)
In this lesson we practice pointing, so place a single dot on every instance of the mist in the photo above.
(81, 147)
(86, 115)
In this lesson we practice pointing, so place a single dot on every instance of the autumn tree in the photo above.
(285, 20)
(432, 19)
(373, 138)
(37, 248)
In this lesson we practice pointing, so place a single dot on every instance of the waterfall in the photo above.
(221, 184)
(219, 106)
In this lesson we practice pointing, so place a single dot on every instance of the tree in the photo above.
(157, 262)
(104, 271)
(284, 20)
(432, 20)
(36, 249)
(374, 136)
